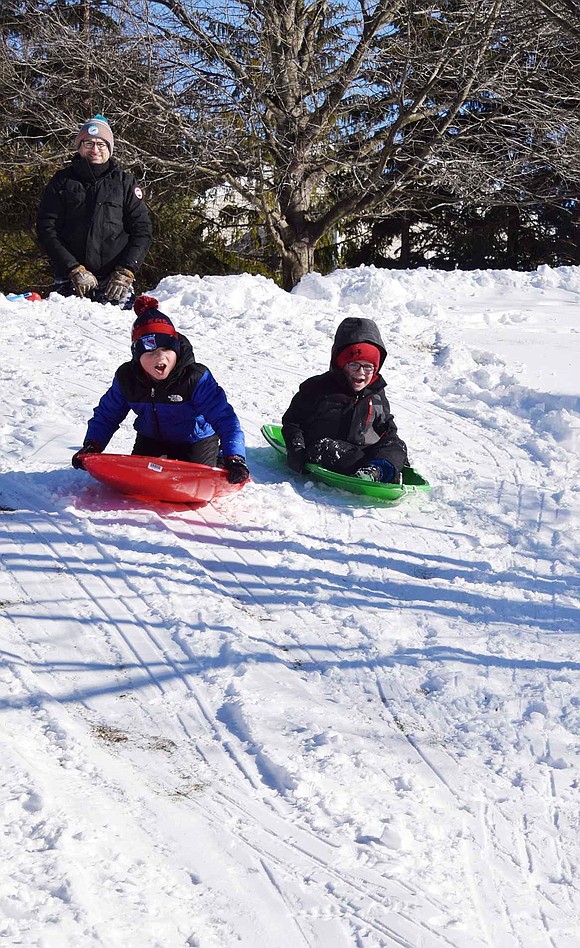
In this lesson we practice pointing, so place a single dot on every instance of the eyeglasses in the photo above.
(90, 144)
(363, 366)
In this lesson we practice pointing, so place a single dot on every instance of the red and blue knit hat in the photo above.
(152, 329)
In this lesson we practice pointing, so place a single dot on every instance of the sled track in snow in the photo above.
(493, 906)
(520, 500)
(236, 572)
(263, 823)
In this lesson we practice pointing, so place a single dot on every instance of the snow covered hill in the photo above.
(293, 719)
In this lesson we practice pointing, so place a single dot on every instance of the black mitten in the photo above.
(296, 459)
(89, 447)
(237, 469)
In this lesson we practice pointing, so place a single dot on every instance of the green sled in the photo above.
(412, 480)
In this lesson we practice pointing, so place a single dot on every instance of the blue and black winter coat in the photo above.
(185, 408)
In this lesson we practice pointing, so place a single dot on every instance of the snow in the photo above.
(294, 718)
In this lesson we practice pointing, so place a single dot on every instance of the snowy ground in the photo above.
(293, 719)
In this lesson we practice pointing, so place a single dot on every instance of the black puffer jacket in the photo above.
(326, 406)
(94, 216)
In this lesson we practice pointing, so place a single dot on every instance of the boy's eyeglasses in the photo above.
(89, 144)
(355, 366)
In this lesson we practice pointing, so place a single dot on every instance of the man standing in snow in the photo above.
(93, 223)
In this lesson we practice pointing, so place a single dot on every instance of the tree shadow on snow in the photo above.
(264, 572)
(123, 679)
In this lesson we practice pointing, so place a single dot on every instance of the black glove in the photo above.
(237, 469)
(83, 280)
(296, 458)
(89, 447)
(119, 285)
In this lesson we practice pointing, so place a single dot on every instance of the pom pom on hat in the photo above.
(152, 329)
(358, 352)
(96, 127)
(143, 303)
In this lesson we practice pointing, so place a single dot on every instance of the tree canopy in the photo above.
(314, 115)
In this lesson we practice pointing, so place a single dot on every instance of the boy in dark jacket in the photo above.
(342, 420)
(182, 413)
(92, 221)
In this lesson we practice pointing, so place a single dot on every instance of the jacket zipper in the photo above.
(357, 399)
(369, 412)
(156, 417)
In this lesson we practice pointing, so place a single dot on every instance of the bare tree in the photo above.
(314, 113)
(566, 13)
(62, 61)
(317, 113)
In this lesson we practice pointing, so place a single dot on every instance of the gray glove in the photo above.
(83, 280)
(119, 285)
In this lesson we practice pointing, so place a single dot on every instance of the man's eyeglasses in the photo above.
(91, 144)
(363, 366)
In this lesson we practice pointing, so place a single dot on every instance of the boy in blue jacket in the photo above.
(182, 413)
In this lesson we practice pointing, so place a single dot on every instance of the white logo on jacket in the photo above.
(174, 398)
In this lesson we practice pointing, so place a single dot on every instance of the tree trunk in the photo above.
(405, 254)
(297, 260)
(513, 233)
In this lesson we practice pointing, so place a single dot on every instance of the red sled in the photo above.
(160, 478)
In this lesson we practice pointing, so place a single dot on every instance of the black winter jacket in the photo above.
(326, 406)
(93, 218)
